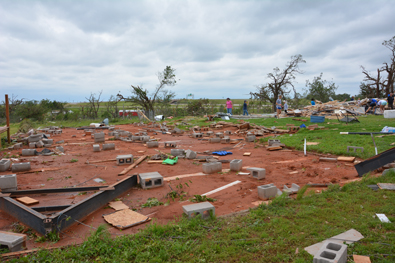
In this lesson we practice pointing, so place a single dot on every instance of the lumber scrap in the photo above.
(346, 159)
(125, 171)
(100, 161)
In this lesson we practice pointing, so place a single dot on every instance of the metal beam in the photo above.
(50, 208)
(375, 162)
(54, 190)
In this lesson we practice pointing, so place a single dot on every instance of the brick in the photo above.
(125, 159)
(258, 173)
(99, 137)
(20, 167)
(152, 144)
(204, 209)
(177, 152)
(4, 165)
(108, 146)
(96, 148)
(15, 242)
(331, 252)
(28, 152)
(190, 154)
(150, 180)
(8, 182)
(214, 167)
(236, 164)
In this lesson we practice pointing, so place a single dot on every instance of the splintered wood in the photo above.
(125, 218)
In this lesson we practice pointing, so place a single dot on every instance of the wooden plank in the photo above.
(27, 200)
(274, 148)
(153, 161)
(361, 259)
(312, 143)
(40, 170)
(222, 188)
(100, 161)
(118, 205)
(125, 171)
(346, 159)
(247, 154)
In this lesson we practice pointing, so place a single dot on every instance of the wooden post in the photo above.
(7, 115)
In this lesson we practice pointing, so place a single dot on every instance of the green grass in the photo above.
(269, 233)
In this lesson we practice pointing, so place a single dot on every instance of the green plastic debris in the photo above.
(170, 161)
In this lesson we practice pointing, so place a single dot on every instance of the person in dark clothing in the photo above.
(390, 100)
(245, 111)
(372, 105)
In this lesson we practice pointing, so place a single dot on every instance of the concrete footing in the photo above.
(20, 167)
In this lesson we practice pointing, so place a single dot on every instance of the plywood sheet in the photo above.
(118, 205)
(361, 259)
(246, 154)
(125, 218)
(27, 200)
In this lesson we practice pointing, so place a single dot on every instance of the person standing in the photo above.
(245, 111)
(390, 100)
(312, 102)
(278, 106)
(229, 106)
(285, 106)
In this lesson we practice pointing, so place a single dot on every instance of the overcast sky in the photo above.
(64, 50)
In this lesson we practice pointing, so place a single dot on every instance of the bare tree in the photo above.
(280, 80)
(390, 69)
(373, 81)
(93, 105)
(112, 106)
(141, 96)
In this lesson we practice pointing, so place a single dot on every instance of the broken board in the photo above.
(125, 218)
(361, 259)
(246, 154)
(346, 159)
(118, 205)
(274, 148)
(27, 200)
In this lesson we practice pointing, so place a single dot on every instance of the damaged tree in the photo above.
(390, 69)
(92, 110)
(374, 82)
(280, 80)
(142, 98)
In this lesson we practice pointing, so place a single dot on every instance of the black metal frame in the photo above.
(58, 222)
(54, 190)
(375, 162)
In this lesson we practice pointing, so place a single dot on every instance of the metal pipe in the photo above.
(367, 133)
(375, 147)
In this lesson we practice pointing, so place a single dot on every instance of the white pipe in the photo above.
(304, 146)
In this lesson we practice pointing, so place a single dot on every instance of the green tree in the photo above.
(280, 81)
(32, 110)
(320, 89)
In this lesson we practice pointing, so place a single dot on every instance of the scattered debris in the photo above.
(125, 218)
(383, 218)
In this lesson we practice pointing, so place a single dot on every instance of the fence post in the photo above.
(7, 115)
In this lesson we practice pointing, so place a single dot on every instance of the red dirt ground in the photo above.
(278, 165)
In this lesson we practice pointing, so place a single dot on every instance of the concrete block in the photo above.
(197, 135)
(4, 165)
(34, 138)
(354, 148)
(108, 146)
(177, 152)
(152, 144)
(228, 132)
(258, 173)
(331, 252)
(250, 138)
(20, 167)
(135, 138)
(39, 144)
(389, 114)
(17, 145)
(294, 188)
(170, 144)
(150, 180)
(8, 182)
(28, 152)
(219, 135)
(96, 147)
(236, 164)
(60, 142)
(214, 167)
(125, 159)
(98, 137)
(386, 171)
(215, 140)
(116, 136)
(190, 154)
(144, 138)
(61, 149)
(204, 209)
(271, 142)
(267, 191)
(32, 145)
(47, 141)
(210, 133)
(15, 242)
(47, 145)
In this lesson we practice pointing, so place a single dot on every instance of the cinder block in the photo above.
(215, 140)
(39, 144)
(170, 144)
(4, 165)
(61, 149)
(124, 159)
(386, 171)
(28, 152)
(150, 180)
(8, 182)
(271, 142)
(250, 138)
(135, 138)
(267, 191)
(96, 147)
(34, 138)
(294, 188)
(60, 142)
(47, 141)
(20, 167)
(204, 209)
(116, 136)
(152, 144)
(17, 145)
(219, 135)
(190, 154)
(228, 132)
(144, 138)
(99, 137)
(108, 146)
(177, 152)
(197, 135)
(210, 133)
(331, 252)
(214, 167)
(258, 173)
(15, 242)
(354, 148)
(32, 145)
(236, 164)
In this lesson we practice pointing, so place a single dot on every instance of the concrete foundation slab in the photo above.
(204, 209)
